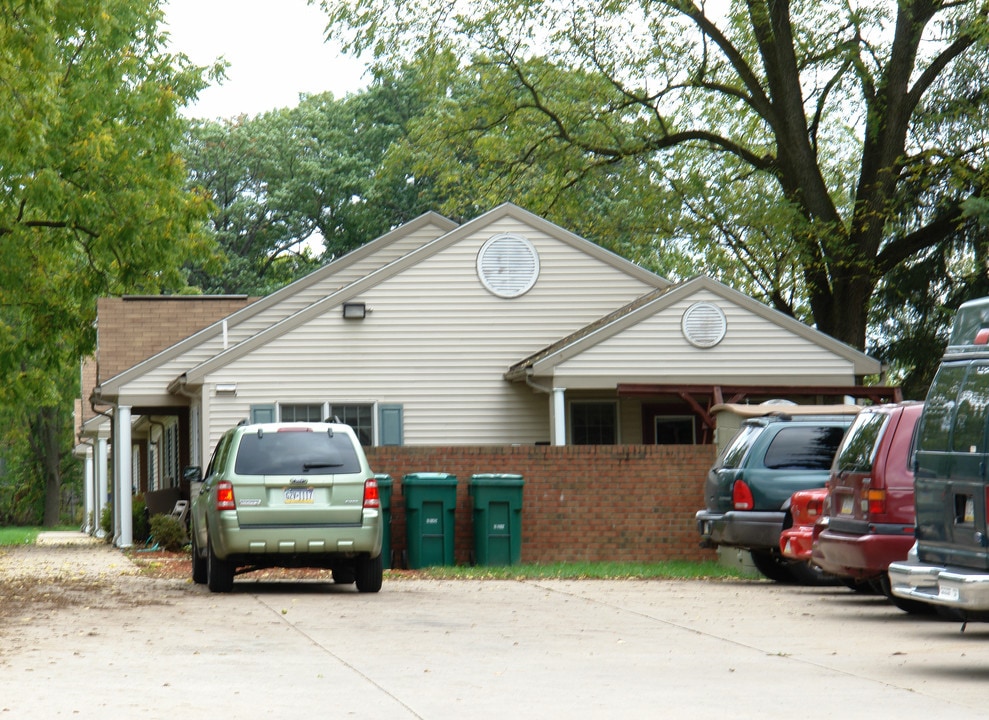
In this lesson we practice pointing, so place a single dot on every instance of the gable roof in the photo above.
(508, 210)
(660, 299)
(442, 225)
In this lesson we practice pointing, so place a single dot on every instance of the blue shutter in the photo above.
(390, 424)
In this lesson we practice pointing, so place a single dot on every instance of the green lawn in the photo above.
(585, 571)
(24, 535)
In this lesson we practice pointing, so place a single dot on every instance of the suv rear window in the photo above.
(734, 453)
(859, 450)
(804, 448)
(296, 453)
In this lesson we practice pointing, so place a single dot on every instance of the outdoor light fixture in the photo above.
(226, 388)
(354, 311)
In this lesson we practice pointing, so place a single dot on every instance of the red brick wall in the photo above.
(630, 503)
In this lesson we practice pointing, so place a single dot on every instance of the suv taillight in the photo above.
(741, 496)
(225, 496)
(877, 502)
(372, 501)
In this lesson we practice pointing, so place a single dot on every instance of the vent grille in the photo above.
(704, 325)
(508, 265)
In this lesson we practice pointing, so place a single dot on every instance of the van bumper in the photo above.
(956, 588)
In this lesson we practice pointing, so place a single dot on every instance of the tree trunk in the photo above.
(46, 430)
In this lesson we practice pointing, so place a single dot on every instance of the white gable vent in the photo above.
(508, 265)
(704, 325)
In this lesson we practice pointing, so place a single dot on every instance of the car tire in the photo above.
(368, 573)
(198, 563)
(777, 568)
(219, 573)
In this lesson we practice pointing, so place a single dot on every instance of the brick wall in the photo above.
(631, 503)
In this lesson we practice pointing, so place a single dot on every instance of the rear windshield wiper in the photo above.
(316, 465)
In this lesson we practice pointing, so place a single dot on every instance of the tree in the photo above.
(300, 186)
(817, 146)
(92, 198)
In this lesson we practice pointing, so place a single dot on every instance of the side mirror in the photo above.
(192, 474)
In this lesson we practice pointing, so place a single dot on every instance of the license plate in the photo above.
(847, 505)
(299, 495)
(948, 593)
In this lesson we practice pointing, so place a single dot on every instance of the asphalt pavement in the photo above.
(123, 645)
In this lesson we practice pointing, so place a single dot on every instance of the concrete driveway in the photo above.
(110, 643)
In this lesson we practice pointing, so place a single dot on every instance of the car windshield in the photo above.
(858, 450)
(296, 453)
(804, 448)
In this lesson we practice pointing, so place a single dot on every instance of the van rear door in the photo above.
(950, 475)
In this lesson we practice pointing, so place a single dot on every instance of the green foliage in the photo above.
(92, 201)
(167, 532)
(799, 151)
(297, 187)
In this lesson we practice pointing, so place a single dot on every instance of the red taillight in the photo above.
(877, 502)
(372, 501)
(741, 496)
(225, 496)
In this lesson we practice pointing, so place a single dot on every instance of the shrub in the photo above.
(167, 532)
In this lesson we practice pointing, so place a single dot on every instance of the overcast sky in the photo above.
(274, 48)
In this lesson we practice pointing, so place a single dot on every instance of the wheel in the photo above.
(368, 574)
(198, 563)
(219, 573)
(777, 568)
(773, 565)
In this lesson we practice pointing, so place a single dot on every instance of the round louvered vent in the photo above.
(704, 325)
(508, 265)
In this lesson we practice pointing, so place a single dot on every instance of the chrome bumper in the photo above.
(950, 587)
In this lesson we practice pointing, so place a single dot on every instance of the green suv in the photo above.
(287, 495)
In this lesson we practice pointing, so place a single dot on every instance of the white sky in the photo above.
(275, 50)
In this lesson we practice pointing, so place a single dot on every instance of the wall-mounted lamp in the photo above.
(226, 388)
(354, 311)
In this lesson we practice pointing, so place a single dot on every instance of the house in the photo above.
(506, 330)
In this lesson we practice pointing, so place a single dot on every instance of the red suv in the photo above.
(870, 520)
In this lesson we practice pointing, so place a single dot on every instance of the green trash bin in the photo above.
(384, 494)
(497, 518)
(430, 505)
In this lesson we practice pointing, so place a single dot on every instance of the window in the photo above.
(593, 423)
(859, 447)
(359, 417)
(674, 430)
(804, 448)
(302, 413)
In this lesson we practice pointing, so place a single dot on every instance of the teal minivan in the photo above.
(949, 564)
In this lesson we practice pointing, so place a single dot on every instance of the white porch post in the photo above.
(89, 492)
(559, 416)
(101, 483)
(122, 476)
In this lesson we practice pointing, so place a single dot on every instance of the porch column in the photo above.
(122, 476)
(89, 491)
(559, 416)
(101, 484)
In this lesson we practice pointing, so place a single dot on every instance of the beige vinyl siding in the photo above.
(754, 350)
(449, 339)
(156, 379)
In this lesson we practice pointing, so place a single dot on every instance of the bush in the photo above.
(167, 532)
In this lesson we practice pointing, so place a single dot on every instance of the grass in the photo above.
(585, 571)
(24, 535)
